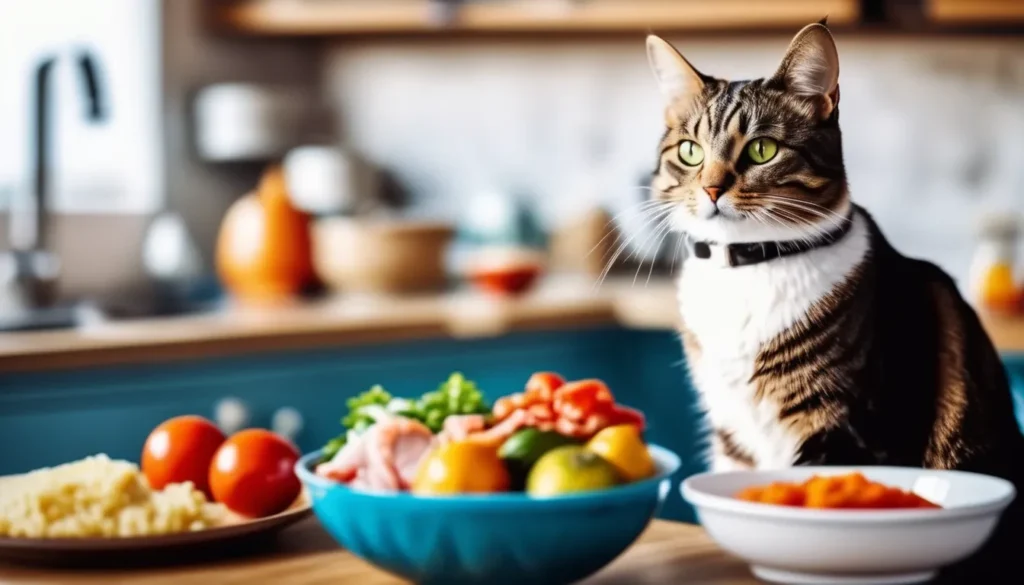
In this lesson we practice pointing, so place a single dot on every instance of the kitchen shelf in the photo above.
(413, 17)
(975, 12)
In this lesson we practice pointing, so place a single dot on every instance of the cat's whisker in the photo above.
(676, 255)
(830, 215)
(808, 206)
(803, 237)
(641, 208)
(790, 206)
(799, 223)
(642, 252)
(648, 218)
(657, 217)
(667, 229)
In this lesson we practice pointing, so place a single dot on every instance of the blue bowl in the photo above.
(490, 539)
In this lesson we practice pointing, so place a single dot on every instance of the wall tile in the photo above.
(932, 127)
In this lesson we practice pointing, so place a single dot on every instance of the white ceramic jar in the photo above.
(247, 122)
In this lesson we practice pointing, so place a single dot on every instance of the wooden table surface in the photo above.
(668, 552)
(560, 302)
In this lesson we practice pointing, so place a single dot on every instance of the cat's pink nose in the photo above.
(713, 193)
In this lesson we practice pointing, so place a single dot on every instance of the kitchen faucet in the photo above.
(29, 271)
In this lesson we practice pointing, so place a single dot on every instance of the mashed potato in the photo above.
(99, 497)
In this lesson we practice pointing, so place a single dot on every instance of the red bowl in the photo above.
(506, 280)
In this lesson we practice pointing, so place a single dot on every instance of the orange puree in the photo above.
(850, 491)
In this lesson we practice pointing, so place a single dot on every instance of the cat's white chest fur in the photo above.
(733, 312)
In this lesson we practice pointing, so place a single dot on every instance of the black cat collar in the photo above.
(745, 254)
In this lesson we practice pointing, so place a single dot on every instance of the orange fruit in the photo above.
(999, 291)
(180, 450)
(253, 473)
(462, 467)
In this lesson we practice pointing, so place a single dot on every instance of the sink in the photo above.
(56, 317)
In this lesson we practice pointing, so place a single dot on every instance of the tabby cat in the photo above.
(809, 338)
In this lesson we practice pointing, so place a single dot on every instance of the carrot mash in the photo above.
(850, 491)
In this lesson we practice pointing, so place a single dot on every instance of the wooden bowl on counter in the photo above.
(381, 255)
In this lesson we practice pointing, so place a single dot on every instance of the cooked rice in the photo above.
(99, 497)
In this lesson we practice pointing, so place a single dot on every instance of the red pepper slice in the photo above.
(577, 400)
(541, 387)
(624, 415)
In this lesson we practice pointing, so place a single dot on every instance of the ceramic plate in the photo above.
(235, 532)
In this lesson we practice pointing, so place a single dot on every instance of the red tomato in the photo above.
(253, 473)
(542, 385)
(180, 450)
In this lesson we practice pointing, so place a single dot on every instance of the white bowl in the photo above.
(800, 545)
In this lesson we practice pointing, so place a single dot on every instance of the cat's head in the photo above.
(749, 161)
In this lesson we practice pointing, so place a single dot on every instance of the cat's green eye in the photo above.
(762, 150)
(690, 153)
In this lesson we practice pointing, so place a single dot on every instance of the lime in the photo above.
(570, 469)
(523, 449)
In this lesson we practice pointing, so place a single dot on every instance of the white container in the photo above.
(325, 180)
(996, 253)
(247, 122)
(868, 547)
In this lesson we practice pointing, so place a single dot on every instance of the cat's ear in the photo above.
(811, 66)
(678, 80)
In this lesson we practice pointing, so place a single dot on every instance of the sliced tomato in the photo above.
(578, 400)
(541, 386)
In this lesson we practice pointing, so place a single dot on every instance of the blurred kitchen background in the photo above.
(549, 102)
(203, 157)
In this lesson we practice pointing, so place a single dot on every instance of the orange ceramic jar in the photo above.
(263, 250)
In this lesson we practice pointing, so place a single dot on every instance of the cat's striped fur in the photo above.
(845, 354)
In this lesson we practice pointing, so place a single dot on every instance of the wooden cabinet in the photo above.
(419, 17)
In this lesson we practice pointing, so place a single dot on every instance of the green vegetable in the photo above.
(457, 395)
(357, 412)
(361, 411)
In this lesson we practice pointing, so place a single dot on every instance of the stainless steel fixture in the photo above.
(29, 270)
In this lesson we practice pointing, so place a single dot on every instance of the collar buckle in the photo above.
(710, 253)
(732, 255)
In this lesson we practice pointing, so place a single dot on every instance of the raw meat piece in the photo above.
(384, 458)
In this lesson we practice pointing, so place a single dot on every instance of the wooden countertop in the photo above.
(558, 303)
(668, 552)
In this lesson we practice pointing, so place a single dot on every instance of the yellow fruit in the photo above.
(622, 446)
(570, 469)
(463, 467)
